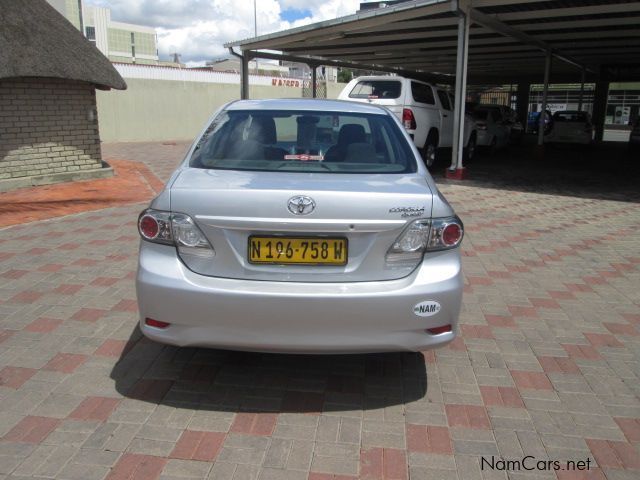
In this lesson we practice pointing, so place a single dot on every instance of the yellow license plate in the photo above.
(298, 250)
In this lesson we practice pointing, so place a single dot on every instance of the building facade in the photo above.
(48, 116)
(119, 42)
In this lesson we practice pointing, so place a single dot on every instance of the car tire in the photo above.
(492, 148)
(470, 150)
(429, 150)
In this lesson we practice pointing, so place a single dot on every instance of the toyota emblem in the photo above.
(301, 205)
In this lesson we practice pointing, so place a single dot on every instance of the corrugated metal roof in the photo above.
(421, 36)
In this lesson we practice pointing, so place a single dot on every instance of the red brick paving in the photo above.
(196, 445)
(558, 365)
(383, 464)
(88, 314)
(32, 430)
(467, 416)
(531, 380)
(133, 182)
(95, 408)
(614, 454)
(630, 427)
(43, 325)
(113, 348)
(137, 467)
(567, 311)
(429, 439)
(254, 423)
(501, 396)
(15, 377)
(65, 362)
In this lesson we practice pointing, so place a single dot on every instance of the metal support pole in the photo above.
(582, 78)
(244, 77)
(460, 91)
(545, 93)
(600, 97)
(314, 80)
(522, 102)
(244, 72)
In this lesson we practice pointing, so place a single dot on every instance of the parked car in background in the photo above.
(426, 111)
(571, 126)
(508, 117)
(634, 137)
(494, 132)
(534, 121)
(301, 226)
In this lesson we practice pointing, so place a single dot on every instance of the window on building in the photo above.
(90, 33)
(133, 38)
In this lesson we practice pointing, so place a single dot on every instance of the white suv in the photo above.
(426, 111)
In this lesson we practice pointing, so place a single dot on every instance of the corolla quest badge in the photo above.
(301, 205)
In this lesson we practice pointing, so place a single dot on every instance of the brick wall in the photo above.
(45, 127)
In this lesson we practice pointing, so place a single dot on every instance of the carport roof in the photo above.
(508, 39)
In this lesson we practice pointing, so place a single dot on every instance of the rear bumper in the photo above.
(582, 139)
(293, 316)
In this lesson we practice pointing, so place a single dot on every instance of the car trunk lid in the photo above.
(368, 211)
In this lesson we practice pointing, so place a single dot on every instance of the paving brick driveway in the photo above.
(547, 364)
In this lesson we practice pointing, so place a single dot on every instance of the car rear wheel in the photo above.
(470, 150)
(492, 147)
(429, 150)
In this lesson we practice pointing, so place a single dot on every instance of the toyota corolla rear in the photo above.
(301, 226)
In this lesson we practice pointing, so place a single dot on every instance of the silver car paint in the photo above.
(365, 306)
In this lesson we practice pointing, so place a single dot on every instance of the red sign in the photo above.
(285, 82)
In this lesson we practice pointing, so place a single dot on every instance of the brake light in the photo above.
(156, 323)
(451, 234)
(425, 235)
(408, 120)
(149, 227)
(445, 233)
(175, 229)
(439, 330)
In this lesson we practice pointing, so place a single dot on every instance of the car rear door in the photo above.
(446, 122)
(421, 100)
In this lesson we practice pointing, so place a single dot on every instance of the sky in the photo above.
(197, 29)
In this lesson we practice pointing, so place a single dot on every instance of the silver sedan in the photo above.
(301, 226)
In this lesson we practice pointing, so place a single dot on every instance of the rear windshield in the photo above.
(304, 141)
(376, 89)
(570, 117)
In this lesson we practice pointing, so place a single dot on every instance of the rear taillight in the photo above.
(439, 330)
(451, 234)
(408, 120)
(156, 323)
(445, 233)
(175, 229)
(425, 235)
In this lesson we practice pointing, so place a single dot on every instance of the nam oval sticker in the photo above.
(426, 309)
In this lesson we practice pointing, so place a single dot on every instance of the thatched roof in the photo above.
(37, 41)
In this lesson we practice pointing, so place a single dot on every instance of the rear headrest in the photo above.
(263, 130)
(361, 153)
(351, 133)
